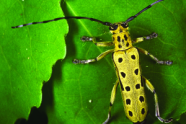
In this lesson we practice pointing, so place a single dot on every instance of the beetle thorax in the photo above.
(121, 37)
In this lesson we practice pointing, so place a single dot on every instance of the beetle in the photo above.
(126, 61)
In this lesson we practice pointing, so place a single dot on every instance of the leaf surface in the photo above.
(82, 92)
(27, 54)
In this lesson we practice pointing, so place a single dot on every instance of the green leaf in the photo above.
(182, 119)
(74, 86)
(27, 54)
(80, 93)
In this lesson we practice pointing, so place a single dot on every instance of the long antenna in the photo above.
(149, 6)
(68, 17)
(92, 19)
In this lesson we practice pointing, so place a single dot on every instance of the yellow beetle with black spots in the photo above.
(126, 62)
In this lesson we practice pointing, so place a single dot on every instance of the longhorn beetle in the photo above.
(126, 62)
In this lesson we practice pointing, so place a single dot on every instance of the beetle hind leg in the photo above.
(163, 120)
(113, 94)
(157, 113)
(107, 120)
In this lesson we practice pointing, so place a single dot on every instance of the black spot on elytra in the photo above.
(133, 57)
(113, 38)
(125, 37)
(136, 71)
(119, 46)
(127, 88)
(122, 41)
(130, 113)
(137, 86)
(128, 101)
(118, 38)
(127, 44)
(120, 60)
(143, 111)
(141, 98)
(123, 74)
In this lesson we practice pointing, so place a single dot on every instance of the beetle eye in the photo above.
(113, 27)
(124, 25)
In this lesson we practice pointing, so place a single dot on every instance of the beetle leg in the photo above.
(78, 61)
(157, 113)
(93, 39)
(167, 62)
(140, 39)
(113, 94)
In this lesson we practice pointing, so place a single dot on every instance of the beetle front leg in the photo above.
(148, 37)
